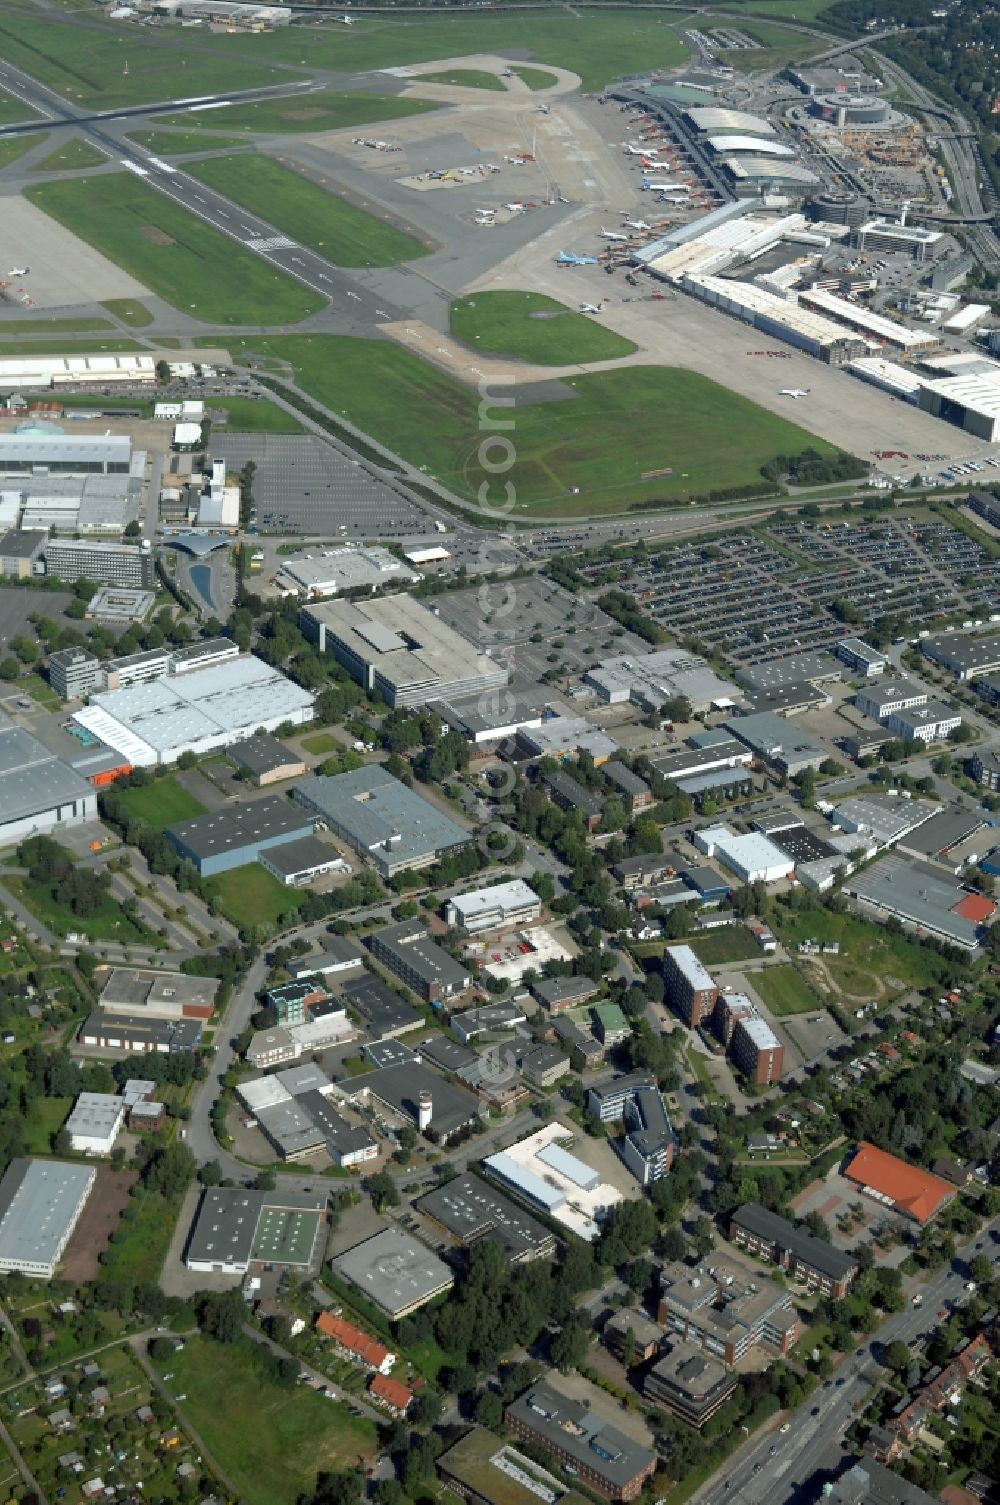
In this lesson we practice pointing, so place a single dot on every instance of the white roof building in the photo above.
(878, 326)
(649, 679)
(760, 146)
(95, 1122)
(543, 1172)
(751, 857)
(715, 118)
(486, 908)
(327, 572)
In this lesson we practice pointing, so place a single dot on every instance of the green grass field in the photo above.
(778, 10)
(13, 147)
(12, 111)
(176, 255)
(315, 216)
(532, 327)
(177, 143)
(107, 923)
(730, 943)
(322, 743)
(779, 46)
(136, 1254)
(535, 78)
(869, 954)
(93, 346)
(135, 315)
(53, 326)
(326, 110)
(38, 688)
(72, 157)
(251, 895)
(598, 46)
(785, 991)
(161, 803)
(85, 61)
(44, 1118)
(249, 415)
(465, 78)
(622, 423)
(297, 1432)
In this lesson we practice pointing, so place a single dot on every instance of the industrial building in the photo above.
(381, 819)
(690, 988)
(127, 1034)
(920, 896)
(721, 1310)
(237, 834)
(971, 402)
(55, 453)
(112, 563)
(417, 1096)
(39, 793)
(968, 658)
(709, 752)
(78, 370)
(239, 1230)
(566, 737)
(200, 711)
(485, 720)
(782, 317)
(871, 325)
(776, 741)
(485, 1471)
(331, 572)
(296, 863)
(863, 660)
(752, 857)
(542, 1171)
(158, 995)
(689, 1384)
(264, 760)
(469, 1210)
(40, 1205)
(382, 1012)
(904, 1188)
(512, 903)
(394, 1271)
(401, 649)
(648, 680)
(95, 1122)
(607, 1461)
(795, 1249)
(407, 950)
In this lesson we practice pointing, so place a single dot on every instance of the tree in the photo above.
(221, 1316)
(132, 530)
(426, 1408)
(383, 1191)
(160, 1350)
(570, 1345)
(897, 1357)
(489, 1410)
(980, 1270)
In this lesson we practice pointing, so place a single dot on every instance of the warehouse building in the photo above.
(607, 1461)
(690, 987)
(470, 1210)
(689, 1384)
(158, 995)
(407, 950)
(566, 737)
(38, 791)
(297, 863)
(971, 402)
(778, 673)
(78, 370)
(751, 858)
(128, 1034)
(381, 819)
(110, 563)
(264, 760)
(776, 741)
(721, 754)
(920, 896)
(197, 712)
(95, 1122)
(967, 658)
(40, 1205)
(720, 1310)
(238, 1230)
(511, 903)
(238, 834)
(783, 317)
(485, 720)
(795, 1249)
(395, 1271)
(382, 1012)
(401, 649)
(870, 325)
(87, 504)
(331, 572)
(648, 679)
(56, 453)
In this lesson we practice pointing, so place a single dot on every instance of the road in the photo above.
(816, 1441)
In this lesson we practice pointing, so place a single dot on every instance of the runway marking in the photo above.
(271, 243)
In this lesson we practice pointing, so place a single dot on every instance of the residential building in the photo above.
(891, 1181)
(238, 1230)
(557, 994)
(635, 792)
(640, 872)
(73, 673)
(858, 656)
(358, 1346)
(943, 1389)
(884, 700)
(95, 1123)
(399, 647)
(690, 1384)
(811, 1259)
(469, 1210)
(408, 951)
(931, 722)
(690, 988)
(392, 1395)
(265, 760)
(107, 563)
(569, 794)
(40, 1205)
(395, 1271)
(612, 1464)
(720, 1310)
(237, 834)
(756, 1049)
(512, 903)
(382, 819)
(871, 1483)
(610, 1025)
(485, 1471)
(39, 792)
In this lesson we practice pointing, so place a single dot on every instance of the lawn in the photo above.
(322, 743)
(34, 685)
(314, 216)
(535, 78)
(297, 1433)
(785, 991)
(71, 157)
(177, 143)
(108, 922)
(326, 110)
(44, 1118)
(869, 954)
(253, 415)
(84, 60)
(465, 78)
(135, 315)
(730, 943)
(622, 424)
(598, 46)
(140, 1242)
(12, 111)
(69, 347)
(779, 46)
(13, 147)
(779, 10)
(532, 327)
(54, 326)
(177, 256)
(161, 803)
(251, 895)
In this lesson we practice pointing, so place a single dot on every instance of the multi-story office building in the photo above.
(511, 903)
(690, 1384)
(73, 673)
(648, 1144)
(690, 988)
(408, 951)
(605, 1460)
(985, 768)
(863, 659)
(884, 700)
(717, 1308)
(107, 563)
(931, 722)
(812, 1259)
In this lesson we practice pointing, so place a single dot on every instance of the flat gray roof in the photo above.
(572, 1428)
(301, 855)
(399, 1087)
(410, 942)
(262, 754)
(394, 1270)
(916, 893)
(39, 1202)
(471, 1209)
(775, 672)
(236, 826)
(227, 1220)
(382, 1010)
(33, 779)
(405, 643)
(381, 815)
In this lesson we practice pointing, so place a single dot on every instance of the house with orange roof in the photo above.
(390, 1393)
(356, 1344)
(906, 1189)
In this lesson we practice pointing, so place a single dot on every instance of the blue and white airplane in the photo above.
(567, 259)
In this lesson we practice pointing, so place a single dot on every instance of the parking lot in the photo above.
(304, 485)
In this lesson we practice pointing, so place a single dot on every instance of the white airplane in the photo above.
(612, 234)
(664, 185)
(18, 271)
(590, 308)
(347, 20)
(794, 392)
(638, 224)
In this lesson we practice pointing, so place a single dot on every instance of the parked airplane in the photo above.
(18, 271)
(591, 308)
(635, 151)
(794, 392)
(347, 20)
(612, 234)
(638, 224)
(664, 184)
(567, 259)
